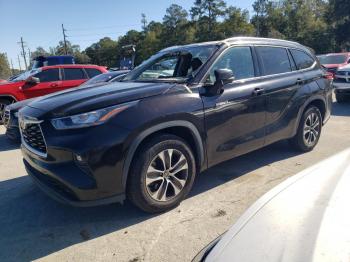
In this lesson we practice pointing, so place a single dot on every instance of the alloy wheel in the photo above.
(2, 110)
(166, 175)
(312, 129)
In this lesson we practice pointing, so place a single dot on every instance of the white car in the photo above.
(342, 83)
(305, 218)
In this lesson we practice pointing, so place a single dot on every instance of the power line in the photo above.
(110, 33)
(97, 28)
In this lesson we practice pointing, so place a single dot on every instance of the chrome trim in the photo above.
(30, 120)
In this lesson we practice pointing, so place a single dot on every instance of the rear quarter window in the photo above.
(302, 59)
(92, 72)
(74, 74)
(274, 60)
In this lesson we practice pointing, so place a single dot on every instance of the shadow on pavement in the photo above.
(34, 226)
(341, 109)
(6, 144)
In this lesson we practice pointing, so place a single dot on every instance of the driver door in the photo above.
(235, 119)
(49, 82)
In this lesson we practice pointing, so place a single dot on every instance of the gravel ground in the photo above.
(34, 227)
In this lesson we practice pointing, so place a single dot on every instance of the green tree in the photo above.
(5, 71)
(206, 13)
(104, 52)
(338, 16)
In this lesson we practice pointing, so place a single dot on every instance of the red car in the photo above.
(45, 80)
(333, 61)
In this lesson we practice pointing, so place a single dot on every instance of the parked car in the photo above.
(11, 111)
(342, 84)
(305, 218)
(41, 61)
(45, 80)
(146, 137)
(333, 61)
(106, 77)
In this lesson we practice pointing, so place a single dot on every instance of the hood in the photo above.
(306, 218)
(89, 98)
(17, 106)
(331, 65)
(344, 68)
(6, 85)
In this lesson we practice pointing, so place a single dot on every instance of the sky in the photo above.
(86, 21)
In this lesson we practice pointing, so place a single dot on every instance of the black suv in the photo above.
(182, 111)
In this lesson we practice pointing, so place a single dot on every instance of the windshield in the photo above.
(25, 75)
(174, 65)
(332, 59)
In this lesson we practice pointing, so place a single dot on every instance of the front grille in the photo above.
(33, 137)
(342, 73)
(6, 117)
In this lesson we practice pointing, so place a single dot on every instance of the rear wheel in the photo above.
(309, 130)
(161, 174)
(3, 104)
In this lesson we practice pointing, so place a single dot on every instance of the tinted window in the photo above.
(332, 59)
(302, 60)
(274, 59)
(238, 59)
(48, 75)
(74, 74)
(92, 72)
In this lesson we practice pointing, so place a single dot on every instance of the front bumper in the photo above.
(341, 88)
(81, 167)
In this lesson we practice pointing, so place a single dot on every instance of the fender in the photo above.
(138, 140)
(305, 105)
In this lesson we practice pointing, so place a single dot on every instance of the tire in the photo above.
(148, 179)
(3, 104)
(306, 141)
(340, 98)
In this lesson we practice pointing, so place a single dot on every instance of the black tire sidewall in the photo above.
(300, 135)
(137, 191)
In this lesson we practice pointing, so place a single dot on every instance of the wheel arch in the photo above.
(172, 127)
(318, 101)
(9, 97)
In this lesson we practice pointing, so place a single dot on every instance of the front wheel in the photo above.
(161, 174)
(3, 104)
(309, 130)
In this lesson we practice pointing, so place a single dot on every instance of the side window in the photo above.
(274, 60)
(239, 59)
(74, 74)
(92, 72)
(49, 75)
(302, 59)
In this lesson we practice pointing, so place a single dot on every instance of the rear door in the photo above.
(73, 77)
(280, 81)
(50, 82)
(235, 119)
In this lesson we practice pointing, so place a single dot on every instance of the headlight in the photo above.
(92, 118)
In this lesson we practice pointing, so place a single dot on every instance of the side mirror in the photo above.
(32, 80)
(223, 77)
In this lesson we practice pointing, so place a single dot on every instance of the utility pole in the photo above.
(19, 63)
(23, 53)
(64, 39)
(12, 69)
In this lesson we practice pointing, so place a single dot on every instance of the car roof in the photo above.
(244, 40)
(73, 66)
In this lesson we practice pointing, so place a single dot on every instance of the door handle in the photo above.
(258, 91)
(54, 85)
